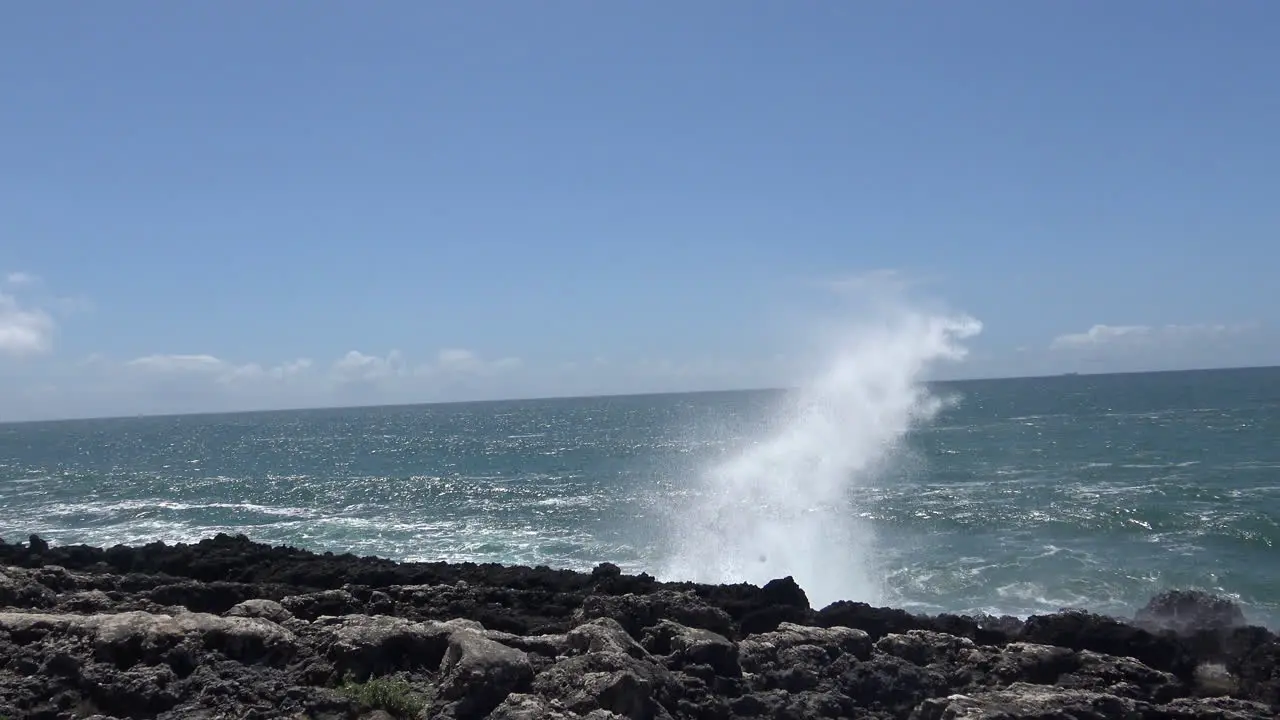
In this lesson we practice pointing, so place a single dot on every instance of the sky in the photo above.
(256, 205)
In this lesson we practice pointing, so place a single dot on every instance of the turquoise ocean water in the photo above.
(1021, 496)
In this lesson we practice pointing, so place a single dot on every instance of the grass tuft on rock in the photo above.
(396, 697)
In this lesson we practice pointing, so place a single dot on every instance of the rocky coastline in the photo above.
(229, 628)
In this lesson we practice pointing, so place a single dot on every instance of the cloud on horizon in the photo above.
(1101, 336)
(209, 382)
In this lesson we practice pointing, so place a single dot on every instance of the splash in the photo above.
(780, 507)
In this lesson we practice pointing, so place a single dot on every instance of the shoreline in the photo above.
(154, 630)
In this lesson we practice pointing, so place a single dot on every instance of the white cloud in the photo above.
(458, 361)
(355, 366)
(20, 279)
(178, 363)
(1099, 334)
(1104, 336)
(24, 330)
(210, 367)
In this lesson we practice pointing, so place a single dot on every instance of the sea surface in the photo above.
(1020, 496)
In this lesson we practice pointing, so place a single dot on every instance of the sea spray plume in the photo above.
(779, 507)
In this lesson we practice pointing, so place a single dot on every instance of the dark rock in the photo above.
(231, 628)
(1189, 611)
(693, 646)
(37, 546)
(637, 612)
(1086, 631)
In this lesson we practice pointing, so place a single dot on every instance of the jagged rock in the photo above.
(1086, 631)
(637, 612)
(1122, 676)
(1216, 709)
(329, 602)
(693, 646)
(260, 608)
(759, 652)
(113, 632)
(1188, 611)
(1028, 662)
(520, 706)
(37, 546)
(925, 647)
(1214, 680)
(478, 674)
(608, 680)
(603, 635)
(363, 646)
(1024, 701)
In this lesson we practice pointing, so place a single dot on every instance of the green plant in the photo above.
(394, 696)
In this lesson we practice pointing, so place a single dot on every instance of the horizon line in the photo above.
(604, 396)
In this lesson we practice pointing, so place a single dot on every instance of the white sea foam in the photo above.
(780, 506)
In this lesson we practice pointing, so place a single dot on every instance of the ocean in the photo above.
(1004, 496)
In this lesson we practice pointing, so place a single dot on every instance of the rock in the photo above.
(329, 602)
(605, 570)
(363, 646)
(478, 674)
(761, 651)
(1188, 611)
(785, 591)
(520, 706)
(329, 637)
(613, 681)
(693, 646)
(1214, 680)
(1216, 709)
(925, 647)
(259, 608)
(37, 546)
(1085, 631)
(1029, 662)
(637, 612)
(603, 635)
(1036, 702)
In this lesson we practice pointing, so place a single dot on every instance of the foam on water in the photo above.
(780, 506)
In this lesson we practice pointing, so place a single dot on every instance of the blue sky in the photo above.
(413, 201)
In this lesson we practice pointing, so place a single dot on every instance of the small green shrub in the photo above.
(394, 696)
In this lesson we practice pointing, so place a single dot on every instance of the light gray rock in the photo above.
(363, 645)
(477, 674)
(1022, 701)
(924, 647)
(758, 652)
(260, 608)
(603, 635)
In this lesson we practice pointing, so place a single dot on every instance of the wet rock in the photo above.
(37, 546)
(1189, 611)
(1086, 631)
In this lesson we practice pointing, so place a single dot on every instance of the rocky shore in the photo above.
(228, 628)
